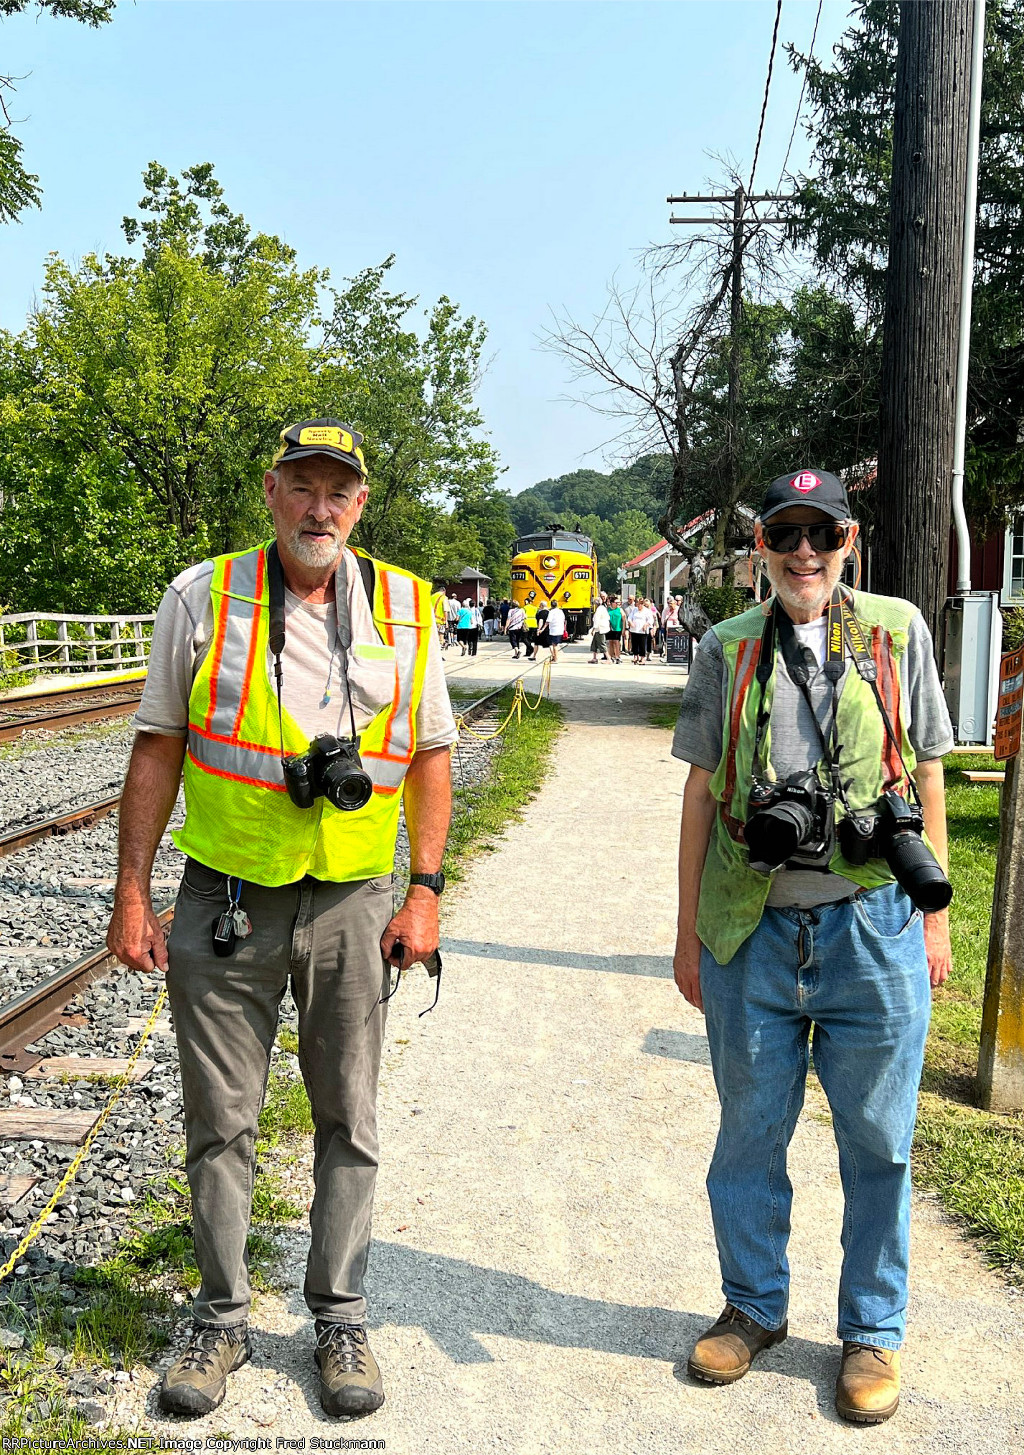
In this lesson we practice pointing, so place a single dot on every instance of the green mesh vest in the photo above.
(732, 895)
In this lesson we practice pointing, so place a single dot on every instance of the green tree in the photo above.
(841, 212)
(154, 388)
(19, 188)
(413, 396)
(144, 400)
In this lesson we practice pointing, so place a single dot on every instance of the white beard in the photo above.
(314, 553)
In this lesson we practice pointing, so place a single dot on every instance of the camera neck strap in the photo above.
(275, 581)
(778, 629)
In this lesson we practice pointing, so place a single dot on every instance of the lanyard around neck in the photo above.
(275, 581)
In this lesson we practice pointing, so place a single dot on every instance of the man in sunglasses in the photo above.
(788, 694)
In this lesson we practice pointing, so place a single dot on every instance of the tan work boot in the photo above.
(868, 1387)
(350, 1378)
(727, 1350)
(196, 1381)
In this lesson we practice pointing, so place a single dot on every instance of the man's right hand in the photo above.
(135, 936)
(686, 969)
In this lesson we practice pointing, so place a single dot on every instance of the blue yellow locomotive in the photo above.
(556, 566)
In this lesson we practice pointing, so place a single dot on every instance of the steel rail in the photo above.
(65, 823)
(30, 1015)
(116, 705)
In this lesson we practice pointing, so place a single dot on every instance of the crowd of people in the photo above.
(540, 624)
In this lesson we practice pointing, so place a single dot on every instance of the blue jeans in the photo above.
(857, 972)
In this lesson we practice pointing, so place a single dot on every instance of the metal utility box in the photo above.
(970, 670)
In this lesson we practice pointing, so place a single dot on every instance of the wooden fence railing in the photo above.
(68, 644)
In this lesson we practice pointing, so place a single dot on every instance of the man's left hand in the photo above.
(415, 925)
(937, 946)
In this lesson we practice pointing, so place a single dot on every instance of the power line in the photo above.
(767, 88)
(803, 89)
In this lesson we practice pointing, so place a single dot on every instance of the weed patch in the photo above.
(516, 771)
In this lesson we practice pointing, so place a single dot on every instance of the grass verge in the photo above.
(973, 1159)
(482, 810)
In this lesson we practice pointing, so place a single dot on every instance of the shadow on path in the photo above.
(658, 967)
(678, 1046)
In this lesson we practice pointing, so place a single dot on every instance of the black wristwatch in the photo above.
(435, 882)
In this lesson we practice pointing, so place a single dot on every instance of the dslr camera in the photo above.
(894, 834)
(794, 816)
(327, 769)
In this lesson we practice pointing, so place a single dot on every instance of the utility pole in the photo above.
(743, 228)
(920, 334)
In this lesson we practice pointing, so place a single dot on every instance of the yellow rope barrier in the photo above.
(83, 1151)
(519, 701)
(545, 683)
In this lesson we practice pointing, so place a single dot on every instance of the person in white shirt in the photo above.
(640, 620)
(602, 625)
(556, 630)
(516, 628)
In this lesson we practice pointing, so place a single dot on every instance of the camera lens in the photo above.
(775, 834)
(917, 871)
(345, 786)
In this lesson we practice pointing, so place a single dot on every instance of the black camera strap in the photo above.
(779, 627)
(275, 581)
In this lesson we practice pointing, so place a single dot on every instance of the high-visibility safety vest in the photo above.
(239, 819)
(439, 605)
(732, 895)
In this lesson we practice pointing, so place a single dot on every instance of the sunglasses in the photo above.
(826, 537)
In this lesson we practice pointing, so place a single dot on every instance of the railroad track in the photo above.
(71, 707)
(42, 1008)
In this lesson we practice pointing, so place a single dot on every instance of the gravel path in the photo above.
(544, 1256)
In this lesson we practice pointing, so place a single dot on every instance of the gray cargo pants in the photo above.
(326, 939)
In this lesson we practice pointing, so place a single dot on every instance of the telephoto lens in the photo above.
(913, 865)
(917, 871)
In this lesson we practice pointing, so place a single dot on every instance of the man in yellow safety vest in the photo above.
(298, 690)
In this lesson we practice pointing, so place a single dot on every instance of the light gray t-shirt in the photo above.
(313, 689)
(795, 743)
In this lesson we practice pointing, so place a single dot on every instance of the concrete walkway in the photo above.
(544, 1257)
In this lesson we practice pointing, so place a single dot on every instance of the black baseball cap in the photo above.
(816, 488)
(321, 437)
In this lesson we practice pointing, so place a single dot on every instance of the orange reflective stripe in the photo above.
(889, 688)
(750, 650)
(218, 645)
(254, 633)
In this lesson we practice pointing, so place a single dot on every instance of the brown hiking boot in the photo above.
(727, 1350)
(196, 1381)
(350, 1378)
(868, 1387)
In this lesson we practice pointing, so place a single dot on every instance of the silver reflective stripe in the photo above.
(230, 679)
(239, 762)
(400, 600)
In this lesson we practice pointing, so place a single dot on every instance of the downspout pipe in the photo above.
(963, 536)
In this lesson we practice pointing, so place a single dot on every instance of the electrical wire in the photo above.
(767, 88)
(803, 92)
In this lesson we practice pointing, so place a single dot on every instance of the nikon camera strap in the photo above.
(779, 626)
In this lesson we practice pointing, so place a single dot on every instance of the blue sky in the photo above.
(513, 155)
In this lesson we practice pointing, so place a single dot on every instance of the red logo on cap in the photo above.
(805, 482)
